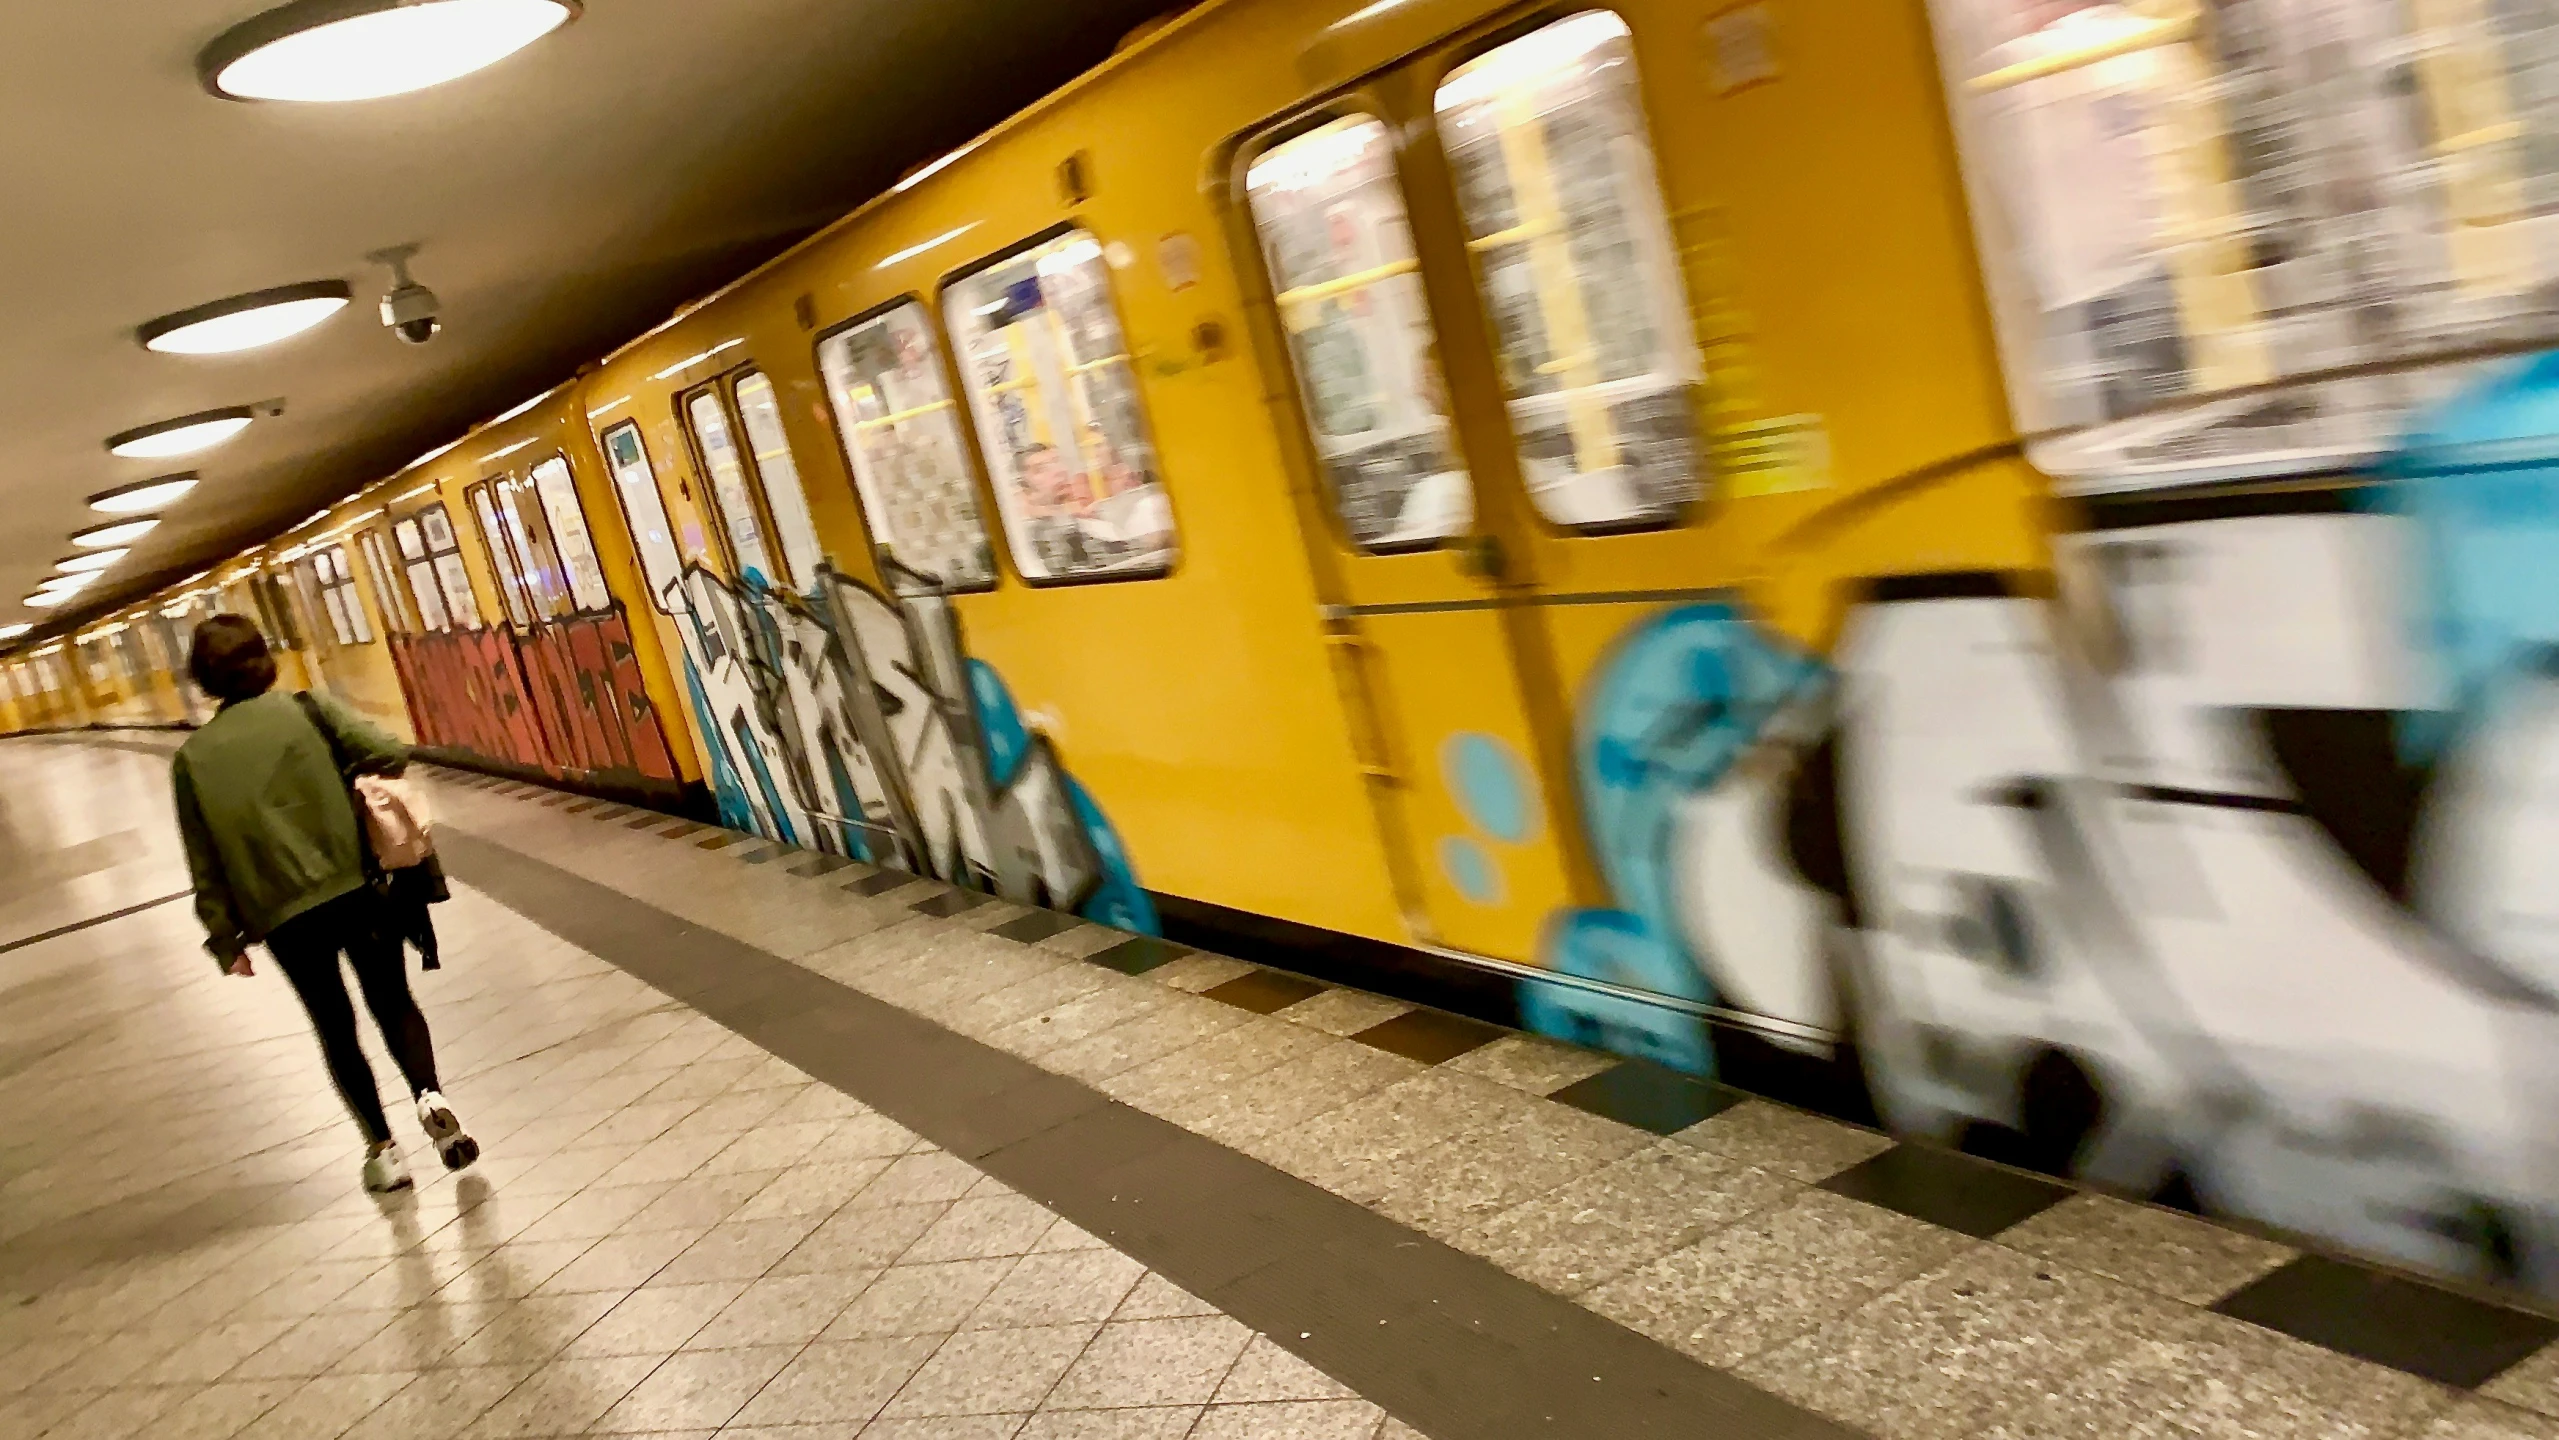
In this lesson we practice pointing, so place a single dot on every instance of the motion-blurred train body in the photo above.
(1983, 564)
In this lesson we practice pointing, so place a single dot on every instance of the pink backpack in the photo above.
(393, 812)
(396, 822)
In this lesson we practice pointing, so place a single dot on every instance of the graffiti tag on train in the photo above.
(856, 724)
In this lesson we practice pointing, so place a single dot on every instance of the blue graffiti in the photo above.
(1471, 869)
(1683, 696)
(1005, 742)
(2478, 479)
(1119, 902)
(1490, 786)
(728, 792)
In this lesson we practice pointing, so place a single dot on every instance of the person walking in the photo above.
(277, 855)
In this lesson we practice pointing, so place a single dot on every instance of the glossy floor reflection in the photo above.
(1129, 1190)
(674, 1232)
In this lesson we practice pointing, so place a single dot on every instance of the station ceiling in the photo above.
(563, 200)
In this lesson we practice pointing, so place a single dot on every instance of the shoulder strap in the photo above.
(319, 719)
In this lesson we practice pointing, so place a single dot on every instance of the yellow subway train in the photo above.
(1979, 564)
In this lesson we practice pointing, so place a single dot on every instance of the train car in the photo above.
(514, 590)
(1977, 563)
(1246, 522)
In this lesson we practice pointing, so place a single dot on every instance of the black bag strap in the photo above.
(319, 719)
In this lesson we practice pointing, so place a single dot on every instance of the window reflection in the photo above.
(1332, 222)
(1055, 401)
(1564, 213)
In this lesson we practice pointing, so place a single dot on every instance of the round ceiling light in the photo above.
(94, 560)
(106, 536)
(144, 497)
(182, 436)
(245, 322)
(327, 50)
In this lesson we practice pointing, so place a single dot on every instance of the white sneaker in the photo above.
(452, 1146)
(385, 1171)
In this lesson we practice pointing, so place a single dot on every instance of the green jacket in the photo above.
(269, 829)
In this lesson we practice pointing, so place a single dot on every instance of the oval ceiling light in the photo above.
(144, 497)
(12, 632)
(106, 536)
(47, 599)
(245, 322)
(335, 50)
(182, 436)
(66, 583)
(94, 560)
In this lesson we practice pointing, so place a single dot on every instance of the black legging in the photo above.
(306, 948)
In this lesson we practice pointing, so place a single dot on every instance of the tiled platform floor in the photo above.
(677, 1231)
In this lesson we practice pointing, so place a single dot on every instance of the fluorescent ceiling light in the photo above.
(46, 599)
(122, 532)
(66, 583)
(94, 560)
(520, 409)
(245, 322)
(911, 251)
(680, 366)
(12, 632)
(929, 171)
(145, 497)
(182, 436)
(438, 453)
(330, 50)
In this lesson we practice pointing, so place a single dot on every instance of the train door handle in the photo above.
(1482, 557)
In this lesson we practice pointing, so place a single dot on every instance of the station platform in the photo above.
(781, 1146)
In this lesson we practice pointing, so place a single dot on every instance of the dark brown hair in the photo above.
(228, 659)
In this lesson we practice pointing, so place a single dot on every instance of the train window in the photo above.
(399, 611)
(421, 573)
(1331, 218)
(535, 549)
(338, 597)
(729, 493)
(2243, 239)
(1055, 400)
(1554, 173)
(324, 572)
(304, 579)
(357, 620)
(484, 507)
(785, 499)
(901, 435)
(298, 595)
(643, 509)
(312, 578)
(537, 554)
(580, 568)
(275, 609)
(445, 566)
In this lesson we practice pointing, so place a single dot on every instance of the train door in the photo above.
(1415, 536)
(762, 510)
(1674, 712)
(1537, 515)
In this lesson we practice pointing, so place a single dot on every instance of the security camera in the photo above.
(410, 310)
